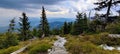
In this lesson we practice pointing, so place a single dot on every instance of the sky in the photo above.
(54, 8)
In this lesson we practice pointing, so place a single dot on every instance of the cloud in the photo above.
(54, 8)
(8, 13)
(21, 4)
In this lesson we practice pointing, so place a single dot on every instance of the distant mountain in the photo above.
(53, 23)
(56, 24)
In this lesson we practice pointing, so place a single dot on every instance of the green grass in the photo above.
(40, 45)
(13, 48)
(87, 44)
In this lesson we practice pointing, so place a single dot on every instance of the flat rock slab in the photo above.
(58, 47)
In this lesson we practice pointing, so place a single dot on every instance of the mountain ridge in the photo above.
(53, 23)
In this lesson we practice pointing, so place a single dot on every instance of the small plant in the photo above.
(86, 45)
(9, 50)
(41, 48)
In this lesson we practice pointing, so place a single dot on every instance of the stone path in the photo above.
(20, 50)
(58, 47)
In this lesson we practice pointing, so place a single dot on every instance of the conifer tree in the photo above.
(65, 28)
(69, 25)
(85, 21)
(24, 27)
(77, 27)
(11, 26)
(44, 26)
(80, 25)
(10, 38)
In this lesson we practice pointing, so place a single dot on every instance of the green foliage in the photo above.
(65, 28)
(84, 45)
(24, 28)
(80, 25)
(113, 28)
(36, 32)
(13, 48)
(102, 38)
(44, 25)
(40, 45)
(55, 31)
(41, 48)
(11, 26)
(8, 40)
(9, 50)
(85, 48)
(97, 24)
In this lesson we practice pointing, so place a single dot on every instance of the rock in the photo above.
(58, 47)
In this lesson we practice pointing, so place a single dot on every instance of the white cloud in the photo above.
(67, 9)
(8, 13)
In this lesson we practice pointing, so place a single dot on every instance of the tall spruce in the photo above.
(80, 25)
(69, 27)
(24, 27)
(77, 25)
(65, 28)
(44, 26)
(85, 21)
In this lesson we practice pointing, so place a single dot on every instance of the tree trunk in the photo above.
(108, 10)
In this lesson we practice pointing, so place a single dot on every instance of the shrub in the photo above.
(9, 50)
(103, 38)
(41, 48)
(40, 45)
(87, 44)
(113, 28)
(8, 40)
(85, 48)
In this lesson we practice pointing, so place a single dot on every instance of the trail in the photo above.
(23, 48)
(58, 47)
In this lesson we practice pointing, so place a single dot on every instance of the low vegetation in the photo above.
(40, 46)
(13, 48)
(89, 44)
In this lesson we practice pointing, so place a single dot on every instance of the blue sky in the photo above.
(54, 8)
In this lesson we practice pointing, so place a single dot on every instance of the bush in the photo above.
(40, 45)
(8, 40)
(113, 28)
(9, 50)
(87, 44)
(85, 48)
(41, 48)
(103, 38)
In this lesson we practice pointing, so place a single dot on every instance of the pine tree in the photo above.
(44, 26)
(85, 21)
(80, 25)
(69, 27)
(11, 26)
(65, 28)
(24, 27)
(77, 27)
(55, 31)
(10, 38)
(97, 24)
